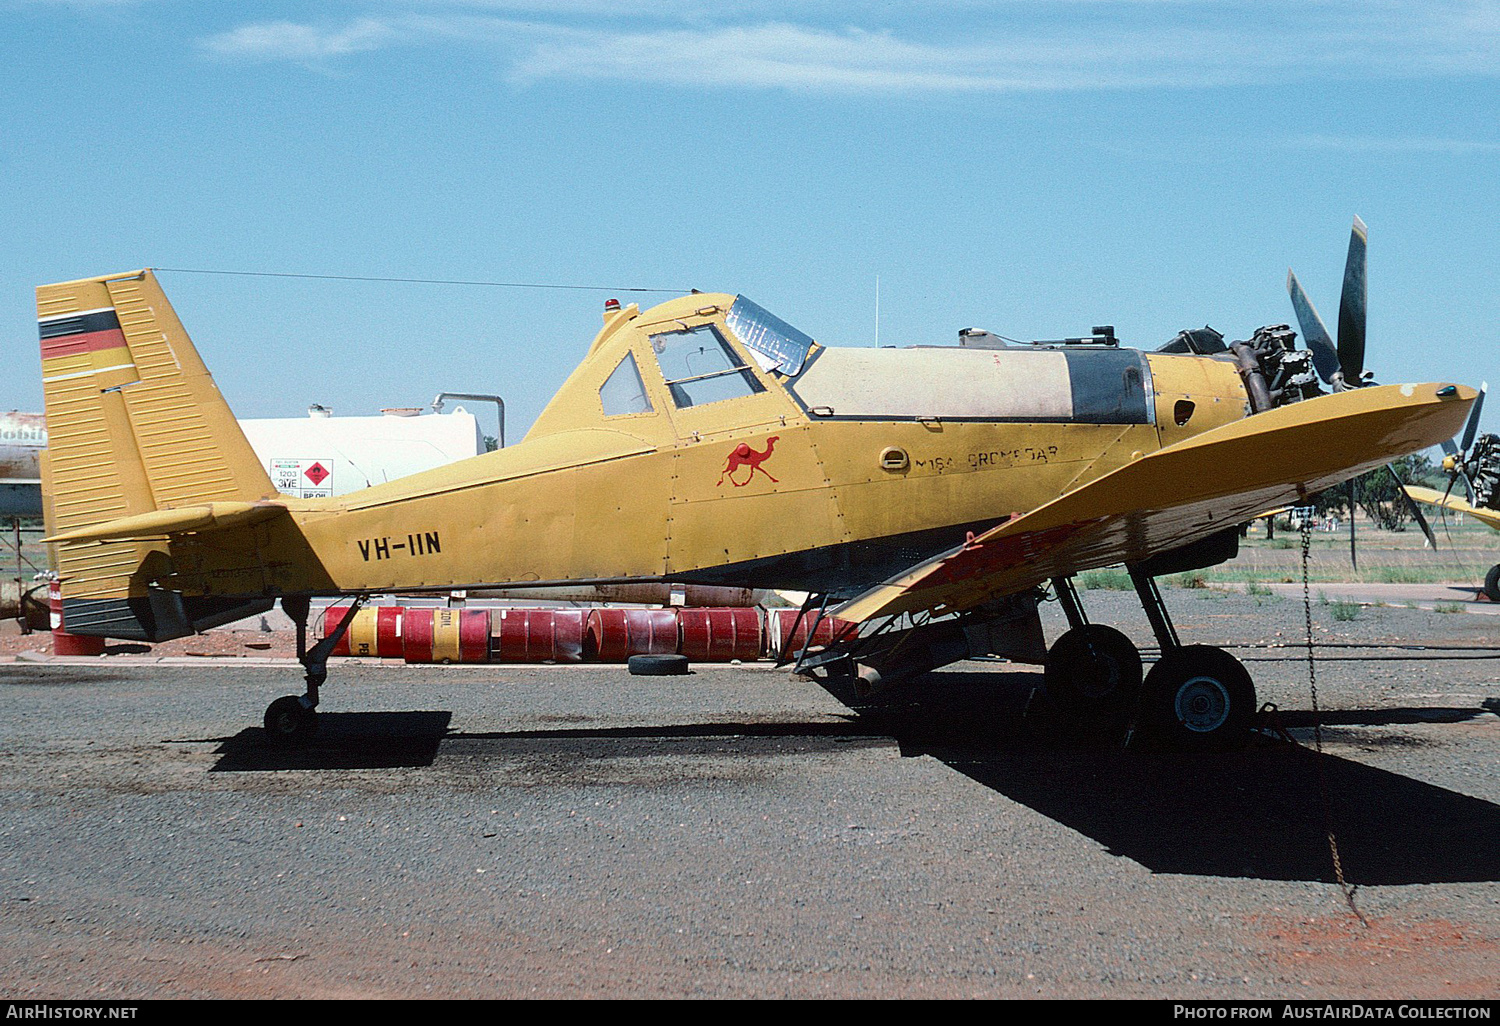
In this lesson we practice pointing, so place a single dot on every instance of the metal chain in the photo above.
(1312, 683)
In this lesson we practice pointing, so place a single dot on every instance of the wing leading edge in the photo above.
(1433, 497)
(1180, 494)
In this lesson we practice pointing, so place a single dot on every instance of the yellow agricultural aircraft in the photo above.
(1476, 463)
(926, 495)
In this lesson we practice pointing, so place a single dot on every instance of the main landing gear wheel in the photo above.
(1093, 674)
(1199, 698)
(1492, 584)
(290, 721)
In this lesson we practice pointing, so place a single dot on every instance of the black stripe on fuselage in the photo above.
(79, 324)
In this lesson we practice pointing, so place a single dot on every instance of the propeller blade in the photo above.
(1352, 306)
(1472, 427)
(1325, 356)
(1449, 449)
(1459, 475)
(1411, 507)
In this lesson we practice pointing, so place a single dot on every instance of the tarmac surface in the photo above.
(502, 831)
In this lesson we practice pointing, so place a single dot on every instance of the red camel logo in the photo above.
(744, 456)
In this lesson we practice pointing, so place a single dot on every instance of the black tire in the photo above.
(657, 665)
(289, 722)
(1199, 698)
(1492, 584)
(1093, 674)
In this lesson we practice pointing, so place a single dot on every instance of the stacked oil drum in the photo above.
(606, 635)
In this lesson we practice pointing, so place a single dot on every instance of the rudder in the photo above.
(135, 424)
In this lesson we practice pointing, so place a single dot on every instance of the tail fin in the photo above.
(135, 425)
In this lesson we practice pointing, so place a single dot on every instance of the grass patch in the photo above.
(1261, 593)
(1342, 610)
(1448, 607)
(1282, 543)
(1108, 579)
(1402, 574)
(1191, 579)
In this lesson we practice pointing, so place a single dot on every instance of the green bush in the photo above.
(1108, 579)
(1344, 610)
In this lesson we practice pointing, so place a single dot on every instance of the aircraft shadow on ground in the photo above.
(1256, 813)
(412, 739)
(350, 740)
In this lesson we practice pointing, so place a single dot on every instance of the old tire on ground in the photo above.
(1093, 674)
(1199, 698)
(1492, 584)
(657, 665)
(289, 722)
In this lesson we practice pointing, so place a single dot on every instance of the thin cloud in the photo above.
(790, 56)
(289, 41)
(1411, 144)
(1013, 54)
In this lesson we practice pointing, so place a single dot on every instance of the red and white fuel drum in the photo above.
(721, 635)
(537, 635)
(446, 635)
(614, 635)
(63, 643)
(376, 631)
(781, 636)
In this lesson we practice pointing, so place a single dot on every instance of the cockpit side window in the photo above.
(700, 367)
(624, 391)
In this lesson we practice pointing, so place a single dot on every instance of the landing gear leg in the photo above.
(293, 719)
(1196, 697)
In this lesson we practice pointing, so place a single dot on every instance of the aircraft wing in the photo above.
(1433, 497)
(1179, 495)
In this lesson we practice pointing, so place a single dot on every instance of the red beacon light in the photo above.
(611, 306)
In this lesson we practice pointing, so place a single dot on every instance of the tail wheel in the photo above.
(1492, 584)
(289, 721)
(1199, 698)
(1093, 673)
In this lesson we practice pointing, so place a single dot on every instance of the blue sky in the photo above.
(1033, 167)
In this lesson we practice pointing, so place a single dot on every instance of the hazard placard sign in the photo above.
(303, 479)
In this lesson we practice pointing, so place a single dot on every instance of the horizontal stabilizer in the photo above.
(163, 522)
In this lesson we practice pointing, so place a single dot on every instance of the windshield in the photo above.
(775, 344)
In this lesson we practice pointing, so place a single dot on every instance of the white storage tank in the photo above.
(322, 455)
